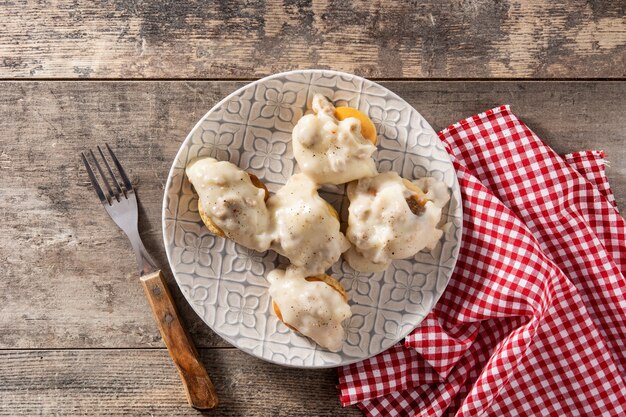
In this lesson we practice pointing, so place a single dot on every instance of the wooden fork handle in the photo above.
(198, 386)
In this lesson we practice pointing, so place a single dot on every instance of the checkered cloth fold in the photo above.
(533, 319)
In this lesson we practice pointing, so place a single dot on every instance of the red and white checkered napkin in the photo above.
(533, 321)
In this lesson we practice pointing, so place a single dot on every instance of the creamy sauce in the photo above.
(381, 225)
(296, 222)
(305, 229)
(331, 151)
(436, 191)
(232, 202)
(313, 307)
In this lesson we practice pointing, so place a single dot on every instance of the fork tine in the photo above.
(125, 179)
(117, 184)
(92, 178)
(104, 178)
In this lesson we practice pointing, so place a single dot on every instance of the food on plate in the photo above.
(433, 189)
(231, 202)
(295, 222)
(210, 224)
(306, 227)
(333, 151)
(368, 130)
(389, 217)
(392, 218)
(314, 306)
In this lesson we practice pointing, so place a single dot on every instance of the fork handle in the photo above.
(198, 386)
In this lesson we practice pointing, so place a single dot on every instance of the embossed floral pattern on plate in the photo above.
(225, 283)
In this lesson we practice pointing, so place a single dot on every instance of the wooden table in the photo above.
(76, 333)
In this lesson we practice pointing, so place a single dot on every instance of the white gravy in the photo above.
(296, 222)
(305, 230)
(435, 190)
(313, 307)
(331, 151)
(233, 203)
(381, 225)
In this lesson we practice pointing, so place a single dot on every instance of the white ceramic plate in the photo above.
(225, 283)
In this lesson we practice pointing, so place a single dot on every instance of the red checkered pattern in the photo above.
(590, 164)
(533, 320)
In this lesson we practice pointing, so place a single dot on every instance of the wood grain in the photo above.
(69, 273)
(198, 387)
(384, 39)
(143, 382)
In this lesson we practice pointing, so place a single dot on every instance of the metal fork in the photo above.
(119, 200)
(121, 204)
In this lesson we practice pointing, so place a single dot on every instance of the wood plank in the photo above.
(445, 39)
(145, 382)
(70, 275)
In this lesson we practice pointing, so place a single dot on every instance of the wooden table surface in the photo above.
(76, 333)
